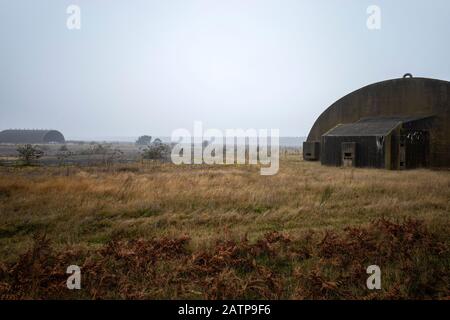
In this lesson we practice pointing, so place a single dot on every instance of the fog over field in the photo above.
(257, 150)
(150, 67)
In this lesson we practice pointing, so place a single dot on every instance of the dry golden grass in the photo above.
(84, 208)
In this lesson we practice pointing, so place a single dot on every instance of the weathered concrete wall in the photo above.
(398, 97)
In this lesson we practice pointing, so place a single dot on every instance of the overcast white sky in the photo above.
(149, 67)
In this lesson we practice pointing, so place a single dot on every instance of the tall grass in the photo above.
(86, 208)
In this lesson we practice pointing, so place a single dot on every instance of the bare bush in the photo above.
(29, 154)
(157, 151)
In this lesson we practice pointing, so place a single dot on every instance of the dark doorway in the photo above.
(417, 145)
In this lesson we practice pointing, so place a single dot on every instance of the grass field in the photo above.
(151, 231)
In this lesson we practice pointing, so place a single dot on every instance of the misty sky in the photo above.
(149, 67)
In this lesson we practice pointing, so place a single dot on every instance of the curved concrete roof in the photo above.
(31, 136)
(397, 97)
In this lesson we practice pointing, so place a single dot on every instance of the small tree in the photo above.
(144, 140)
(28, 154)
(157, 151)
